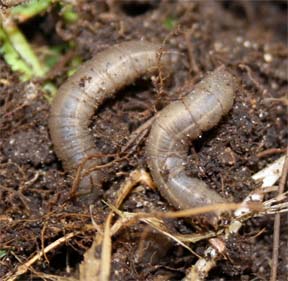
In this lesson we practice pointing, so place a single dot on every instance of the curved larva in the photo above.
(80, 96)
(168, 143)
(174, 129)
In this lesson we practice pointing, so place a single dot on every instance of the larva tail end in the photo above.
(88, 190)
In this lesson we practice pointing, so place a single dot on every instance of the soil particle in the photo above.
(17, 150)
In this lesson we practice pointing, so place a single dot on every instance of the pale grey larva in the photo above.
(174, 129)
(171, 134)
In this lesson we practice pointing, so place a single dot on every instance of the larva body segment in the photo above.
(174, 129)
(81, 95)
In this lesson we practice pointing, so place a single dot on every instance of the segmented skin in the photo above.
(171, 135)
(81, 95)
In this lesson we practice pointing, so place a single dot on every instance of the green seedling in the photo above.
(30, 9)
(169, 23)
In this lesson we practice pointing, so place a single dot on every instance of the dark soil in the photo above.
(249, 37)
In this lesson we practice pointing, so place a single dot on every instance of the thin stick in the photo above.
(212, 254)
(270, 151)
(25, 267)
(276, 234)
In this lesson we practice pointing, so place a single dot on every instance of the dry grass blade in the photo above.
(159, 226)
(25, 267)
(106, 251)
(152, 219)
(90, 267)
(127, 219)
(276, 234)
(269, 176)
(93, 268)
(198, 211)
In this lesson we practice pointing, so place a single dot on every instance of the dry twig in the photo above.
(94, 268)
(26, 266)
(217, 248)
(276, 233)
